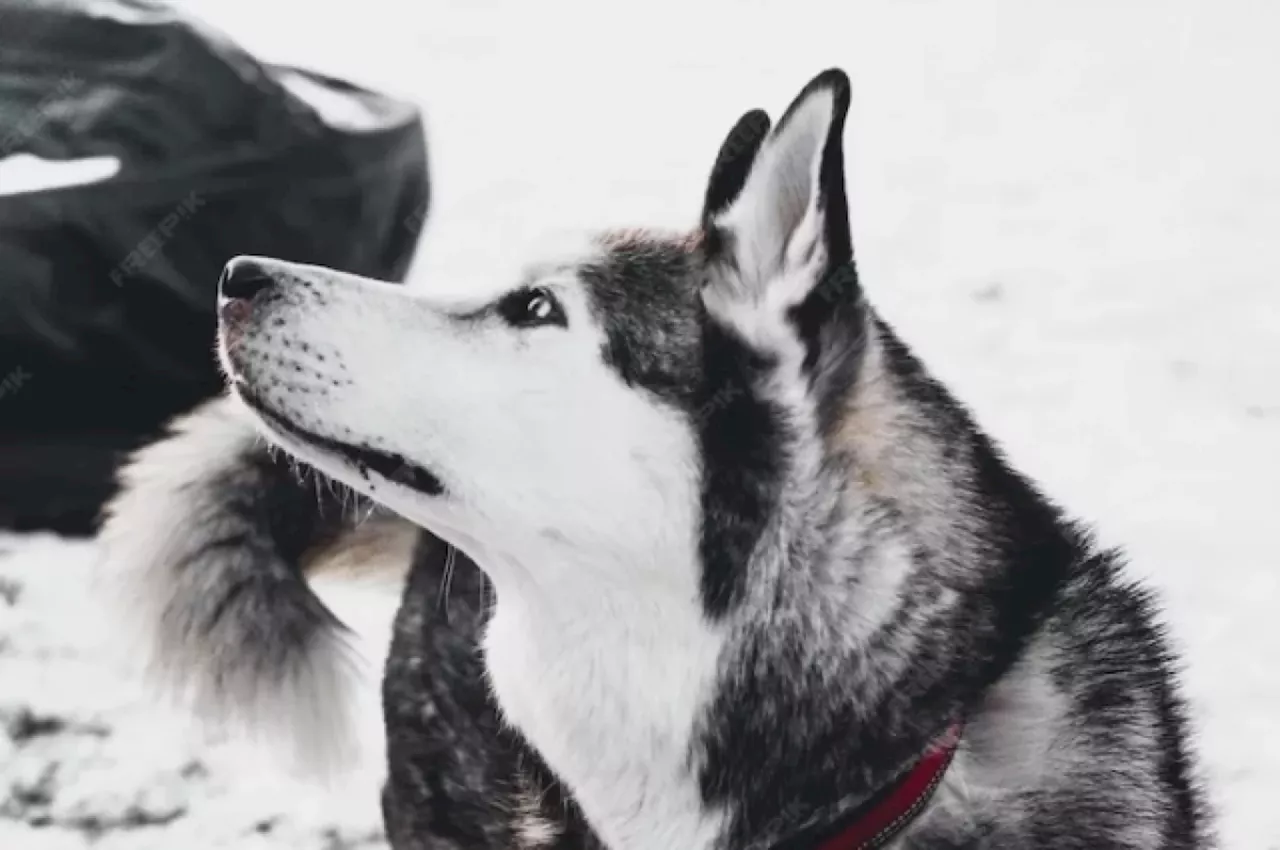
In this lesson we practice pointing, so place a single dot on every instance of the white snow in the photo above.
(1072, 211)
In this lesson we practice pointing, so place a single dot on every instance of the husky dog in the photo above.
(710, 561)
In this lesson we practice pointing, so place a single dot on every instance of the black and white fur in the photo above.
(740, 559)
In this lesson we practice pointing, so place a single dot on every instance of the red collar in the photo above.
(892, 809)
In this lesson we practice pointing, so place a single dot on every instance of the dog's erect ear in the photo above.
(778, 247)
(733, 163)
(776, 219)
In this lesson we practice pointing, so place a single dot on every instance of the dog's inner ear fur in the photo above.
(775, 214)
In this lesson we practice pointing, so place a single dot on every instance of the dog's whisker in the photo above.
(450, 559)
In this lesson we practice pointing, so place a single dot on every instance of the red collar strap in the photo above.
(891, 810)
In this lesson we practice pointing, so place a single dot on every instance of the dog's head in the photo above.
(643, 402)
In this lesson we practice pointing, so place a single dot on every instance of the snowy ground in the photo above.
(1070, 209)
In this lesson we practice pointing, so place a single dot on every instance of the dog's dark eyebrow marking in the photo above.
(390, 465)
(479, 314)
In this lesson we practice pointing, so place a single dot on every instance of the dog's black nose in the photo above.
(242, 278)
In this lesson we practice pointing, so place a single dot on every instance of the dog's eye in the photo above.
(530, 308)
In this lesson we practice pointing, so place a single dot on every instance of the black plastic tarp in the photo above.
(176, 151)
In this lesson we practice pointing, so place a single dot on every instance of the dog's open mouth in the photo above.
(391, 466)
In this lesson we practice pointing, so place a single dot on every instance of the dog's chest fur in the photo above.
(591, 680)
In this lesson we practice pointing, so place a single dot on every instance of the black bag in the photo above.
(107, 288)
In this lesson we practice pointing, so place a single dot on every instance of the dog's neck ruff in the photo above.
(892, 809)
